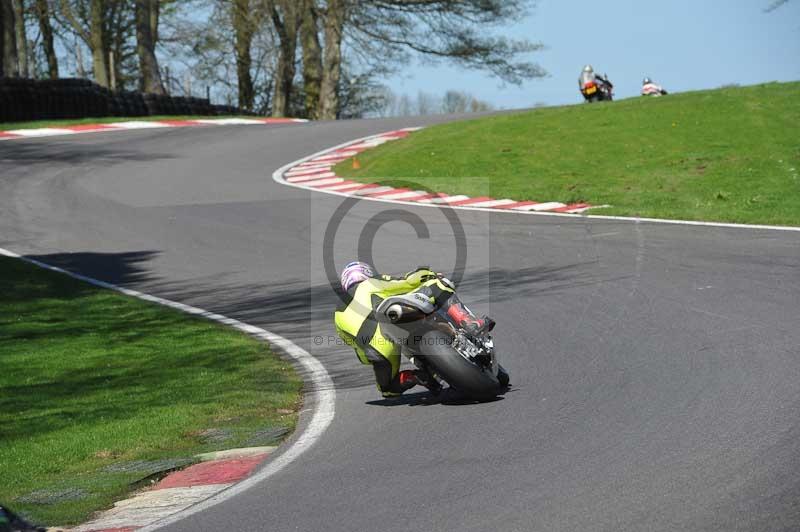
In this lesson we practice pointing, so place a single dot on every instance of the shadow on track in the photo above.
(294, 305)
(123, 269)
(448, 397)
(301, 312)
(20, 152)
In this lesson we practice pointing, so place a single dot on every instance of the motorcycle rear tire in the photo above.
(461, 374)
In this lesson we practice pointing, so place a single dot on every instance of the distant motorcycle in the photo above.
(598, 89)
(650, 88)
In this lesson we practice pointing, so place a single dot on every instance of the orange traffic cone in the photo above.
(356, 164)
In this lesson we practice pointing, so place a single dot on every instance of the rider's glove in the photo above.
(447, 282)
(420, 275)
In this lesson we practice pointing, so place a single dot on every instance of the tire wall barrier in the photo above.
(30, 99)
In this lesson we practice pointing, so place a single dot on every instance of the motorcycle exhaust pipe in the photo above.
(394, 312)
(399, 313)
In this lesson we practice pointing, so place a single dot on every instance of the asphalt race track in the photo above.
(656, 368)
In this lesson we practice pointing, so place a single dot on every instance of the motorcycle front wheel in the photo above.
(461, 374)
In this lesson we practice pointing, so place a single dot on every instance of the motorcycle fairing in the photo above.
(416, 300)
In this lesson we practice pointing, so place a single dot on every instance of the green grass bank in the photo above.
(728, 155)
(98, 390)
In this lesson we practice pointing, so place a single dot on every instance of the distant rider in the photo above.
(650, 88)
(356, 324)
(588, 74)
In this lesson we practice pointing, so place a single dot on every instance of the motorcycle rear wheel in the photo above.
(461, 374)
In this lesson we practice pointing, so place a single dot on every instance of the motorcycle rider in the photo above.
(588, 74)
(357, 325)
(650, 88)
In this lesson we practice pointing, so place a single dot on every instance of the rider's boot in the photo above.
(405, 380)
(408, 379)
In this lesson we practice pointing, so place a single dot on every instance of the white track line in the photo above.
(343, 186)
(337, 155)
(40, 132)
(307, 178)
(405, 195)
(322, 396)
(138, 124)
(228, 121)
(494, 203)
(544, 206)
(444, 199)
(371, 190)
(277, 176)
(308, 171)
(323, 182)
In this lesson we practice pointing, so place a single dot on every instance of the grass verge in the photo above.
(6, 126)
(729, 155)
(94, 386)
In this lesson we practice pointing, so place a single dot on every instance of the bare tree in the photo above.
(104, 26)
(381, 31)
(404, 106)
(121, 31)
(286, 20)
(455, 102)
(427, 104)
(479, 106)
(312, 57)
(87, 22)
(147, 15)
(43, 14)
(333, 28)
(387, 102)
(244, 27)
(463, 102)
(10, 59)
(199, 35)
(21, 37)
(2, 38)
(456, 31)
(361, 95)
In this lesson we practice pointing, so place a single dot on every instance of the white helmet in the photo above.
(354, 273)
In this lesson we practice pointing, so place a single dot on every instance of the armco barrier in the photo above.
(29, 99)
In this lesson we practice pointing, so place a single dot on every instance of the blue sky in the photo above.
(682, 44)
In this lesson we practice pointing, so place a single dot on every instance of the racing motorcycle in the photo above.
(435, 341)
(598, 90)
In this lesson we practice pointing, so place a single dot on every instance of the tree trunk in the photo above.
(332, 61)
(286, 28)
(243, 28)
(312, 58)
(46, 29)
(146, 19)
(21, 37)
(155, 12)
(10, 60)
(2, 39)
(98, 42)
